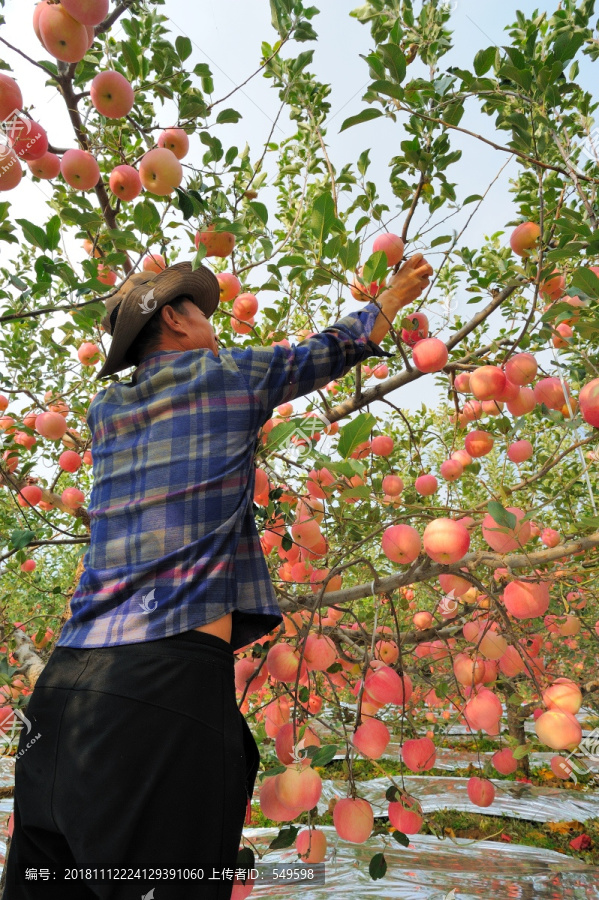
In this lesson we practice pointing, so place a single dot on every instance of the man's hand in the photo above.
(405, 286)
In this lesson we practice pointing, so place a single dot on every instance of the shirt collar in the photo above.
(150, 360)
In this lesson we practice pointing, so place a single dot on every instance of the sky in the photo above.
(227, 34)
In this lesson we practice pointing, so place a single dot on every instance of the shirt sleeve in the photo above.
(279, 374)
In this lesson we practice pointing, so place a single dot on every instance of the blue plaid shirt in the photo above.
(173, 541)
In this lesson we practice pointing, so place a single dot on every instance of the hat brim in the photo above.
(143, 297)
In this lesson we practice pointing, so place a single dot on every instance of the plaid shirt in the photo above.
(173, 541)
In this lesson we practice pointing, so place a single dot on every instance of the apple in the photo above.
(72, 497)
(553, 287)
(487, 382)
(125, 183)
(445, 541)
(176, 140)
(28, 566)
(245, 306)
(479, 443)
(88, 12)
(11, 99)
(160, 172)
(426, 485)
(50, 425)
(217, 243)
(112, 95)
(589, 402)
(27, 138)
(418, 332)
(46, 167)
(391, 245)
(382, 445)
(230, 286)
(401, 544)
(69, 461)
(80, 169)
(562, 339)
(362, 292)
(451, 470)
(10, 171)
(88, 353)
(154, 262)
(521, 368)
(524, 238)
(63, 36)
(106, 275)
(430, 355)
(519, 451)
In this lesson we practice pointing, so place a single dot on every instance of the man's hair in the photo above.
(149, 337)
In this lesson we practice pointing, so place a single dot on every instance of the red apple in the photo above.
(230, 286)
(160, 172)
(63, 36)
(430, 355)
(11, 99)
(112, 94)
(10, 171)
(125, 182)
(217, 243)
(88, 12)
(176, 140)
(154, 262)
(80, 169)
(27, 138)
(46, 167)
(391, 245)
(88, 353)
(524, 238)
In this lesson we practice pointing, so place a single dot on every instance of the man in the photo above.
(145, 761)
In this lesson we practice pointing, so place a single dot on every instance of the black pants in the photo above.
(143, 761)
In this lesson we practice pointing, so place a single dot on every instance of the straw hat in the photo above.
(142, 295)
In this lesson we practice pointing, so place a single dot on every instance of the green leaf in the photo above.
(287, 542)
(228, 117)
(323, 216)
(444, 239)
(186, 203)
(401, 838)
(375, 268)
(394, 61)
(586, 281)
(260, 210)
(285, 838)
(500, 515)
(20, 539)
(53, 233)
(276, 771)
(377, 866)
(183, 45)
(367, 115)
(521, 751)
(146, 217)
(389, 88)
(483, 60)
(354, 433)
(245, 859)
(324, 755)
(197, 260)
(34, 234)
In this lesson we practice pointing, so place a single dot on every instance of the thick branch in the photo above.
(391, 384)
(424, 569)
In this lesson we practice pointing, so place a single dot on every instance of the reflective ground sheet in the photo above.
(430, 869)
(515, 799)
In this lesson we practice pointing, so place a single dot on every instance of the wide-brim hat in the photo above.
(142, 295)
